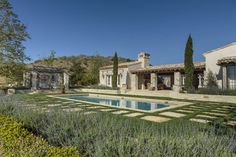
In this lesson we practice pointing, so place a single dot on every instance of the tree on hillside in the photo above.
(92, 74)
(76, 74)
(115, 71)
(12, 35)
(188, 64)
(51, 58)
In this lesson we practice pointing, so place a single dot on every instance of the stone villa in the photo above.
(41, 78)
(140, 75)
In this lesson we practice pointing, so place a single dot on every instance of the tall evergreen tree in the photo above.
(188, 64)
(12, 35)
(115, 71)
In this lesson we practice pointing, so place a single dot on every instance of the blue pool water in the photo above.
(124, 103)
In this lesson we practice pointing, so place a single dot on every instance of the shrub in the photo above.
(17, 141)
(211, 80)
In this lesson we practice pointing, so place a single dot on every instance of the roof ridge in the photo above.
(219, 48)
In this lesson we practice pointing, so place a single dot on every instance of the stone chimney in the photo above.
(144, 58)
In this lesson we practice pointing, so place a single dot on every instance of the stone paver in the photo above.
(230, 107)
(90, 112)
(95, 107)
(185, 111)
(120, 112)
(107, 110)
(84, 105)
(231, 122)
(29, 105)
(172, 114)
(221, 111)
(133, 114)
(54, 105)
(157, 119)
(206, 116)
(199, 120)
(72, 109)
(215, 114)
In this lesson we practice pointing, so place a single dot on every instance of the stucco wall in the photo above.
(214, 56)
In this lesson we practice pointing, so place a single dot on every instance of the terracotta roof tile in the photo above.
(227, 60)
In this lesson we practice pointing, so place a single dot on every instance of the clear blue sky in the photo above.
(160, 27)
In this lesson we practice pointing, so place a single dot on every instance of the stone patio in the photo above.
(172, 114)
(157, 119)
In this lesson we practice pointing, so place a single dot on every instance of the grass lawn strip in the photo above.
(215, 114)
(107, 110)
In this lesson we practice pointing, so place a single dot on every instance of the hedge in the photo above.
(16, 141)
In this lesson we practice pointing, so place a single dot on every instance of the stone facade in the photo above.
(124, 72)
(40, 78)
(140, 75)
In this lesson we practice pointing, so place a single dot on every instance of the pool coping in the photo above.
(173, 103)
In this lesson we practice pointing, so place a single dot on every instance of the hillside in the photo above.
(84, 60)
(84, 70)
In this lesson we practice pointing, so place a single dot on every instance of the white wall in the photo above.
(214, 56)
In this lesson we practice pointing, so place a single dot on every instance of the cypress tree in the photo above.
(188, 65)
(115, 71)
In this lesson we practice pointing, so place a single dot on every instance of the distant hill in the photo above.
(84, 60)
(84, 70)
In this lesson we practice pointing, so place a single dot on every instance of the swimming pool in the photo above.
(127, 103)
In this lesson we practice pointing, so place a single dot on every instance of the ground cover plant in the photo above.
(103, 134)
(16, 141)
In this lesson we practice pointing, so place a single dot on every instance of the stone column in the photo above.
(34, 81)
(66, 80)
(154, 81)
(177, 82)
(200, 81)
(141, 80)
(224, 77)
(134, 82)
(205, 78)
